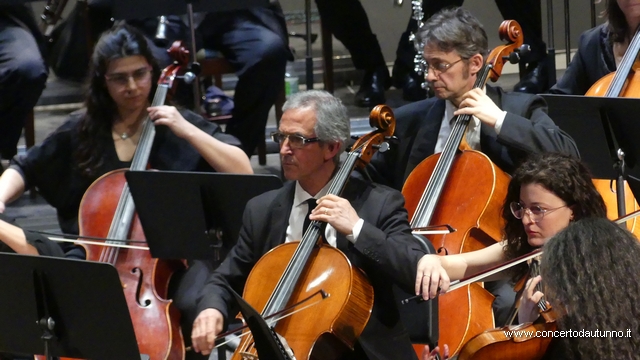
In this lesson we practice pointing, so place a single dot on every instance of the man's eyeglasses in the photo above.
(295, 140)
(440, 66)
(536, 212)
(140, 76)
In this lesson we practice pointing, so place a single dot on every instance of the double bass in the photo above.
(293, 272)
(440, 191)
(107, 211)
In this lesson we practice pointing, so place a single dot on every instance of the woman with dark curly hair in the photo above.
(104, 137)
(546, 193)
(589, 274)
(601, 49)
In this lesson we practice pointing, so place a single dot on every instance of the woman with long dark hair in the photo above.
(104, 137)
(601, 49)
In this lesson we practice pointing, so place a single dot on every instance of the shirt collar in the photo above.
(300, 196)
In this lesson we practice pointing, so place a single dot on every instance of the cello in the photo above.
(437, 191)
(515, 341)
(624, 82)
(107, 211)
(293, 272)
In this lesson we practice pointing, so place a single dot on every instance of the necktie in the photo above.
(311, 203)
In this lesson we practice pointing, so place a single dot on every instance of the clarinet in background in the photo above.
(161, 31)
(420, 64)
(50, 16)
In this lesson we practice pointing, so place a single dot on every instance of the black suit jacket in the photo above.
(526, 129)
(593, 60)
(385, 251)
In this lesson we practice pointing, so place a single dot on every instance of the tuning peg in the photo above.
(518, 54)
(392, 139)
(384, 146)
(355, 137)
(512, 58)
(524, 49)
(188, 77)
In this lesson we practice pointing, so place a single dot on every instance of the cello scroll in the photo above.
(511, 32)
(381, 118)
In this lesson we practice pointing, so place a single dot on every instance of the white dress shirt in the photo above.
(299, 211)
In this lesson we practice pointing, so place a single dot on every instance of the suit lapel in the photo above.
(280, 212)
(426, 137)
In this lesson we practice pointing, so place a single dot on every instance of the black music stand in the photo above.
(267, 343)
(189, 215)
(606, 132)
(62, 307)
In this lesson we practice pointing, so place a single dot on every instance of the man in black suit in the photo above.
(368, 223)
(505, 126)
(526, 12)
(23, 73)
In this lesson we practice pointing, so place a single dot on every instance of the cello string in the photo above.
(629, 57)
(294, 268)
(123, 216)
(429, 198)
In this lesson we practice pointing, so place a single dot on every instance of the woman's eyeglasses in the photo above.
(536, 212)
(139, 76)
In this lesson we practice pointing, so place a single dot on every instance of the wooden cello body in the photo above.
(624, 82)
(528, 341)
(332, 329)
(145, 281)
(475, 211)
(509, 342)
(465, 190)
(296, 271)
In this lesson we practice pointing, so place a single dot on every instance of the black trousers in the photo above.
(526, 12)
(348, 22)
(184, 290)
(258, 54)
(23, 75)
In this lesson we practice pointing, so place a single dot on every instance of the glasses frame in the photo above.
(446, 66)
(533, 216)
(293, 144)
(121, 80)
